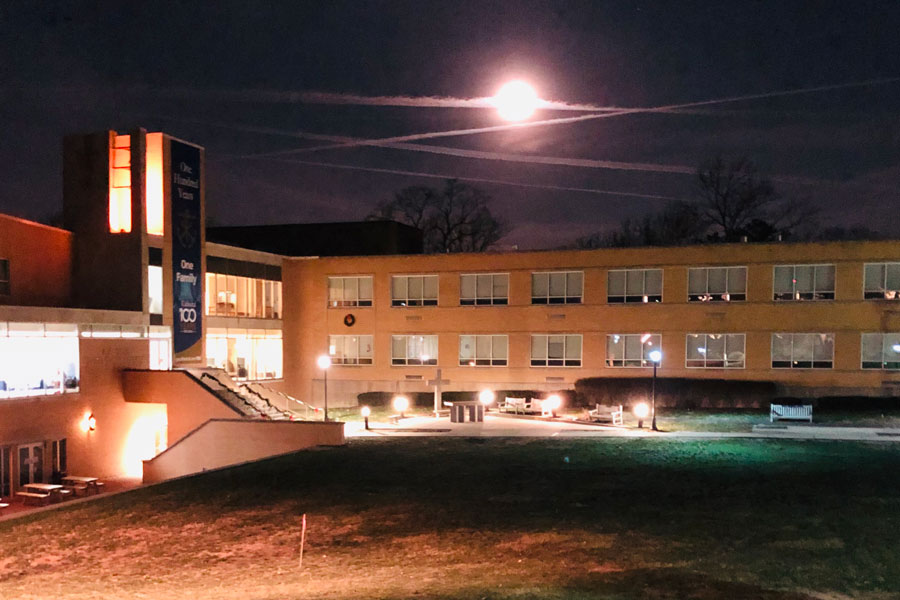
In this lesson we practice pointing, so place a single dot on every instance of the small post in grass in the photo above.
(366, 411)
(302, 539)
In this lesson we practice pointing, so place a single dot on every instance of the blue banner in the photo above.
(187, 286)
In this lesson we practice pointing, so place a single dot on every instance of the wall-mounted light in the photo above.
(88, 423)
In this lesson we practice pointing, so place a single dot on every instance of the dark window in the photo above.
(4, 277)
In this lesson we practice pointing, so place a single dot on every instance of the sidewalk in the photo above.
(501, 426)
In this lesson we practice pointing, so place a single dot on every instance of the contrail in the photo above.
(475, 179)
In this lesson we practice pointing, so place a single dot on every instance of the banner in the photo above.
(187, 287)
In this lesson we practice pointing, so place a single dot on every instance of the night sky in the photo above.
(238, 78)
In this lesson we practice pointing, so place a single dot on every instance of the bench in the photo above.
(516, 405)
(607, 414)
(788, 412)
(34, 499)
(3, 505)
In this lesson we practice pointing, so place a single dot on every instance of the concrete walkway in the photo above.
(503, 426)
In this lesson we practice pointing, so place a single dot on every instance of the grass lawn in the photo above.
(488, 518)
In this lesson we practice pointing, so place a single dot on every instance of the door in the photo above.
(31, 464)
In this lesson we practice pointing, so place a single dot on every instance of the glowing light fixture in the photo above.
(401, 404)
(516, 101)
(324, 361)
(644, 338)
(896, 348)
(486, 397)
(641, 410)
(88, 423)
(552, 403)
(366, 411)
(655, 356)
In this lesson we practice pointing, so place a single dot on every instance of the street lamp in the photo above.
(655, 357)
(324, 361)
(401, 403)
(366, 411)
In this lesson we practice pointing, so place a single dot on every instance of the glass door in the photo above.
(31, 464)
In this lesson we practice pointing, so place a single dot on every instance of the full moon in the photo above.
(516, 101)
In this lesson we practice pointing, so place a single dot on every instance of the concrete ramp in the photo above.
(223, 442)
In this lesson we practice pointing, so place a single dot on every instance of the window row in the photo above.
(237, 296)
(705, 284)
(38, 359)
(702, 350)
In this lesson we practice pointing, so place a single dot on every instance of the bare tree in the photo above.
(736, 201)
(678, 223)
(455, 219)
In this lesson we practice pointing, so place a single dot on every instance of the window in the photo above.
(556, 351)
(414, 349)
(414, 290)
(715, 351)
(155, 288)
(804, 282)
(882, 281)
(484, 289)
(5, 471)
(717, 284)
(245, 353)
(58, 456)
(120, 185)
(349, 291)
(153, 184)
(4, 277)
(881, 351)
(350, 349)
(802, 350)
(160, 348)
(557, 288)
(483, 350)
(634, 285)
(631, 350)
(38, 359)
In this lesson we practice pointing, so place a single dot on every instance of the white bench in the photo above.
(612, 414)
(788, 412)
(516, 405)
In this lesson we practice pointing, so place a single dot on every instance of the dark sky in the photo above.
(222, 74)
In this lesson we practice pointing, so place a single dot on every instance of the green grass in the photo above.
(489, 518)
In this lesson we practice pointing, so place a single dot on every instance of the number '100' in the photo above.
(187, 315)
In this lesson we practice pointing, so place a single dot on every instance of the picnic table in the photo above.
(82, 486)
(42, 493)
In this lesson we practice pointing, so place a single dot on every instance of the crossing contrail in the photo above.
(475, 179)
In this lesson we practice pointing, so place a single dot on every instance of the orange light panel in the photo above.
(120, 185)
(154, 184)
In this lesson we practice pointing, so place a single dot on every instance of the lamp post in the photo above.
(366, 411)
(324, 361)
(655, 357)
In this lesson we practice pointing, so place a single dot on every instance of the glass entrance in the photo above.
(31, 464)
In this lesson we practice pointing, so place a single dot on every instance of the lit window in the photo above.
(483, 350)
(160, 348)
(38, 359)
(555, 350)
(153, 185)
(350, 349)
(717, 284)
(414, 290)
(349, 291)
(245, 353)
(882, 281)
(881, 351)
(484, 289)
(802, 350)
(414, 349)
(120, 185)
(4, 277)
(565, 287)
(631, 350)
(804, 282)
(155, 288)
(715, 351)
(634, 285)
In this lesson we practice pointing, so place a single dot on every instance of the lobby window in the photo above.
(881, 351)
(4, 277)
(120, 185)
(714, 351)
(484, 289)
(349, 291)
(38, 359)
(483, 350)
(350, 349)
(245, 353)
(160, 348)
(804, 282)
(717, 284)
(632, 349)
(236, 296)
(634, 285)
(555, 350)
(414, 290)
(414, 349)
(802, 350)
(882, 281)
(561, 287)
